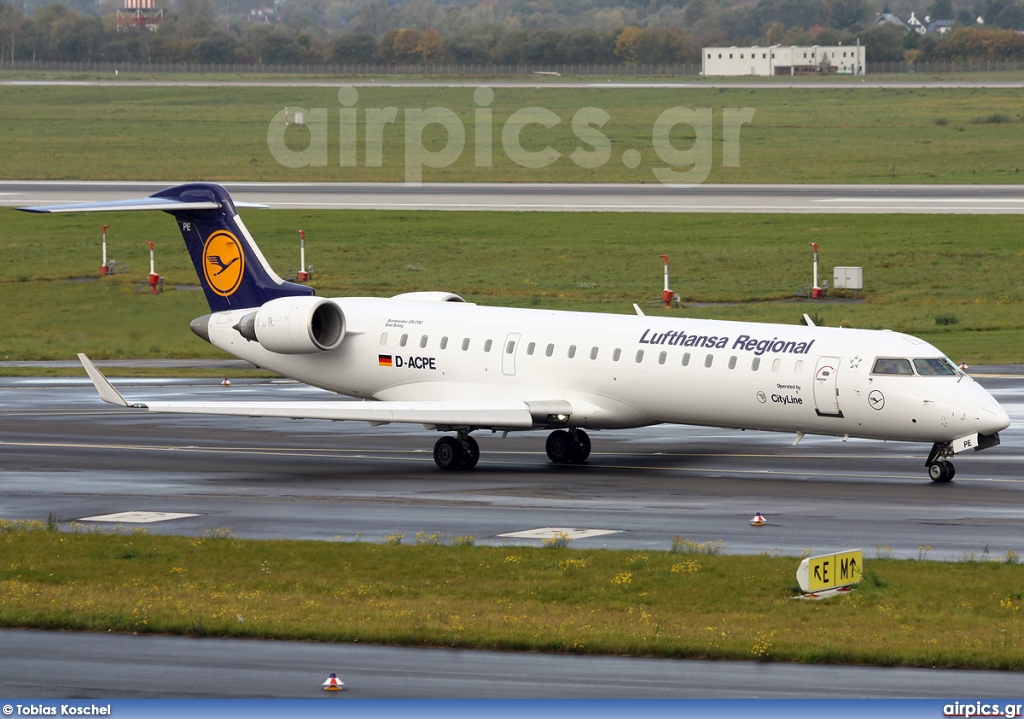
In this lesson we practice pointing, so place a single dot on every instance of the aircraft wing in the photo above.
(491, 415)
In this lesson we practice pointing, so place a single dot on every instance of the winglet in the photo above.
(103, 386)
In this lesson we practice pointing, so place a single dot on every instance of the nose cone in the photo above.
(992, 419)
(990, 416)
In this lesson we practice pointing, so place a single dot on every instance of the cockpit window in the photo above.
(886, 365)
(934, 368)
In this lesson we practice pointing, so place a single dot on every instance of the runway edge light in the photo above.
(333, 684)
(830, 572)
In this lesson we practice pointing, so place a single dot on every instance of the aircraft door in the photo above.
(826, 387)
(508, 354)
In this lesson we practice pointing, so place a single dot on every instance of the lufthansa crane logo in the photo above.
(223, 262)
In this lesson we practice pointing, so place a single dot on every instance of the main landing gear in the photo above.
(568, 446)
(940, 469)
(462, 451)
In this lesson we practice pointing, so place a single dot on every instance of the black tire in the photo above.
(448, 453)
(470, 454)
(951, 470)
(940, 472)
(581, 447)
(559, 447)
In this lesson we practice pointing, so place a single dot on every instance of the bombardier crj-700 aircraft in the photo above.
(432, 358)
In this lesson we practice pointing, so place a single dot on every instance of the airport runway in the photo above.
(525, 197)
(64, 452)
(82, 665)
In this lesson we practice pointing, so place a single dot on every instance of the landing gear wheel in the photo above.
(560, 447)
(941, 472)
(448, 453)
(470, 453)
(581, 447)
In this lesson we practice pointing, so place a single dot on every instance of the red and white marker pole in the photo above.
(303, 275)
(104, 269)
(816, 292)
(666, 294)
(154, 278)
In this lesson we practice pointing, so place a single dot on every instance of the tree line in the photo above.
(491, 32)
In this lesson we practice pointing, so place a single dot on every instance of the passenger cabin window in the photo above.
(935, 368)
(444, 343)
(732, 362)
(639, 356)
(549, 350)
(776, 365)
(799, 367)
(755, 364)
(709, 360)
(886, 365)
(686, 359)
(572, 351)
(530, 348)
(465, 344)
(383, 338)
(423, 341)
(487, 345)
(510, 347)
(662, 357)
(405, 338)
(593, 353)
(616, 354)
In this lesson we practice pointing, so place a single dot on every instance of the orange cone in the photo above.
(333, 684)
(758, 520)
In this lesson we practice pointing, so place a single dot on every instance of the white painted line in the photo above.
(137, 517)
(552, 532)
(921, 199)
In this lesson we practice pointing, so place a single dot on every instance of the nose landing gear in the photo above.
(940, 469)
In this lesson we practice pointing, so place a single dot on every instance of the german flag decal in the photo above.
(384, 360)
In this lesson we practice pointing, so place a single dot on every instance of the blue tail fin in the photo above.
(232, 270)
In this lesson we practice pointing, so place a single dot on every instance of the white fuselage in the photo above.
(629, 370)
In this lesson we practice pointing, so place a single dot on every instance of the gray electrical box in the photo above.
(848, 278)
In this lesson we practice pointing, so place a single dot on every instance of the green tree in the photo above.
(845, 13)
(883, 43)
(353, 49)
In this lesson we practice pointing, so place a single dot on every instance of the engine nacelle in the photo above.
(295, 325)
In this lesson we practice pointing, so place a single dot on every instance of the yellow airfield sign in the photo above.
(830, 571)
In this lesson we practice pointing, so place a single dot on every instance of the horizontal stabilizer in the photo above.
(143, 203)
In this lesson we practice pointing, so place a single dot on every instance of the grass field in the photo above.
(807, 135)
(953, 280)
(652, 603)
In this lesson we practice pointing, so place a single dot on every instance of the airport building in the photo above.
(777, 60)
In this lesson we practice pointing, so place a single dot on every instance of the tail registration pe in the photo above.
(412, 362)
